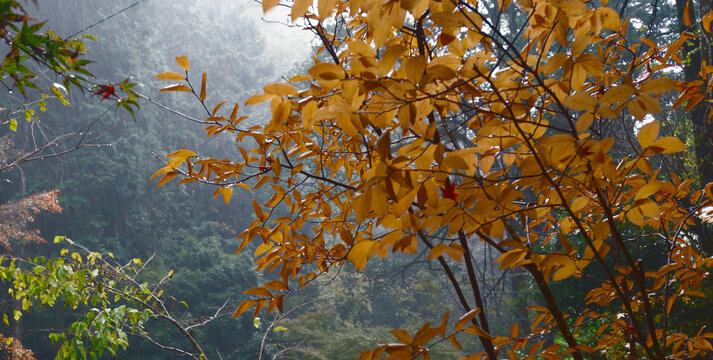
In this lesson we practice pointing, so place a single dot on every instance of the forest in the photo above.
(356, 179)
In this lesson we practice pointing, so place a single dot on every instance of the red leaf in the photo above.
(449, 191)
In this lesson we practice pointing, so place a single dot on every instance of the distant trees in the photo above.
(32, 52)
(107, 209)
(120, 304)
(15, 217)
(435, 128)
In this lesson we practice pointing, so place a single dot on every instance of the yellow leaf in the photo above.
(402, 335)
(346, 236)
(579, 203)
(227, 193)
(579, 102)
(601, 231)
(607, 18)
(217, 107)
(554, 63)
(263, 248)
(275, 285)
(183, 153)
(182, 61)
(476, 330)
(706, 21)
(649, 104)
(170, 75)
(269, 4)
(564, 272)
(617, 94)
(176, 87)
(658, 86)
(648, 133)
(299, 78)
(299, 9)
(455, 161)
(258, 291)
(414, 67)
(455, 251)
(635, 108)
(646, 207)
(258, 210)
(669, 302)
(203, 87)
(307, 115)
(234, 114)
(584, 122)
(257, 99)
(166, 178)
(514, 331)
(511, 258)
(437, 251)
(360, 253)
(244, 306)
(325, 8)
(326, 72)
(280, 89)
(669, 144)
(649, 189)
(412, 6)
(465, 318)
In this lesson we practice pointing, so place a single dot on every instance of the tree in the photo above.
(15, 216)
(112, 300)
(434, 128)
(33, 52)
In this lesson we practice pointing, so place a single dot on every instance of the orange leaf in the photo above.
(258, 210)
(579, 102)
(182, 61)
(465, 318)
(244, 306)
(227, 193)
(166, 178)
(258, 291)
(360, 253)
(669, 144)
(176, 87)
(269, 4)
(299, 9)
(437, 251)
(170, 75)
(648, 133)
(203, 87)
(275, 285)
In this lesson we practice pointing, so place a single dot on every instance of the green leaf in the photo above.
(90, 37)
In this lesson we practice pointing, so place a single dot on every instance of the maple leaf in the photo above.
(449, 191)
(106, 91)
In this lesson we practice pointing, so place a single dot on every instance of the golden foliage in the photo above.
(428, 118)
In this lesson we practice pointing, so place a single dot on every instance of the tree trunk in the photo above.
(694, 54)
